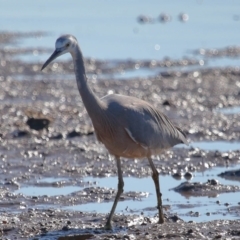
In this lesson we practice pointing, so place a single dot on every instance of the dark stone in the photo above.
(235, 232)
(231, 173)
(65, 228)
(38, 123)
(74, 133)
(175, 218)
(213, 182)
(177, 176)
(19, 133)
(167, 103)
(185, 186)
(188, 175)
(57, 136)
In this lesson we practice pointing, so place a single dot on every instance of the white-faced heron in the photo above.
(127, 126)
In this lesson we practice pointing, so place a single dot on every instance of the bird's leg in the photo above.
(119, 192)
(155, 177)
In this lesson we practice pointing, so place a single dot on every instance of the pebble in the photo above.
(213, 182)
(188, 175)
(183, 17)
(65, 228)
(164, 18)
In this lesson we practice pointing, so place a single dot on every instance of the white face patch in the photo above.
(65, 41)
(59, 44)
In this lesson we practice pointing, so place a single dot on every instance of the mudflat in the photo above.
(45, 133)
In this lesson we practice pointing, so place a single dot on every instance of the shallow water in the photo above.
(48, 191)
(221, 146)
(203, 208)
(179, 204)
(176, 201)
(229, 110)
(111, 30)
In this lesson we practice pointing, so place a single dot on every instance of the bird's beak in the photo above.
(55, 54)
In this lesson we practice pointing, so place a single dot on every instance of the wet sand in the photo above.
(46, 132)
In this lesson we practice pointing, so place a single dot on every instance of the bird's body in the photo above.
(127, 126)
(133, 128)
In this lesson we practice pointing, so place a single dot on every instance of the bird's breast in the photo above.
(119, 143)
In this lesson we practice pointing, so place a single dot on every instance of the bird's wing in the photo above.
(152, 128)
(144, 123)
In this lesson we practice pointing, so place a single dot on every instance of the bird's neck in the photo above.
(91, 102)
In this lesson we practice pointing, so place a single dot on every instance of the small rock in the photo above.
(196, 214)
(143, 19)
(73, 134)
(19, 134)
(175, 218)
(188, 175)
(177, 175)
(38, 123)
(167, 103)
(56, 137)
(183, 17)
(164, 18)
(213, 182)
(43, 229)
(65, 228)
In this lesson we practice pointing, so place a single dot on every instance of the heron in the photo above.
(128, 127)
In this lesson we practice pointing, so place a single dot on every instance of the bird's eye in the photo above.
(67, 45)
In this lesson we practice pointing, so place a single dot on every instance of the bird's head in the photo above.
(64, 44)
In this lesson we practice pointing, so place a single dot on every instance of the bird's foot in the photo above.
(108, 226)
(161, 218)
(161, 221)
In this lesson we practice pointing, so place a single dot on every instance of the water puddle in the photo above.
(51, 180)
(48, 191)
(229, 110)
(49, 187)
(221, 146)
